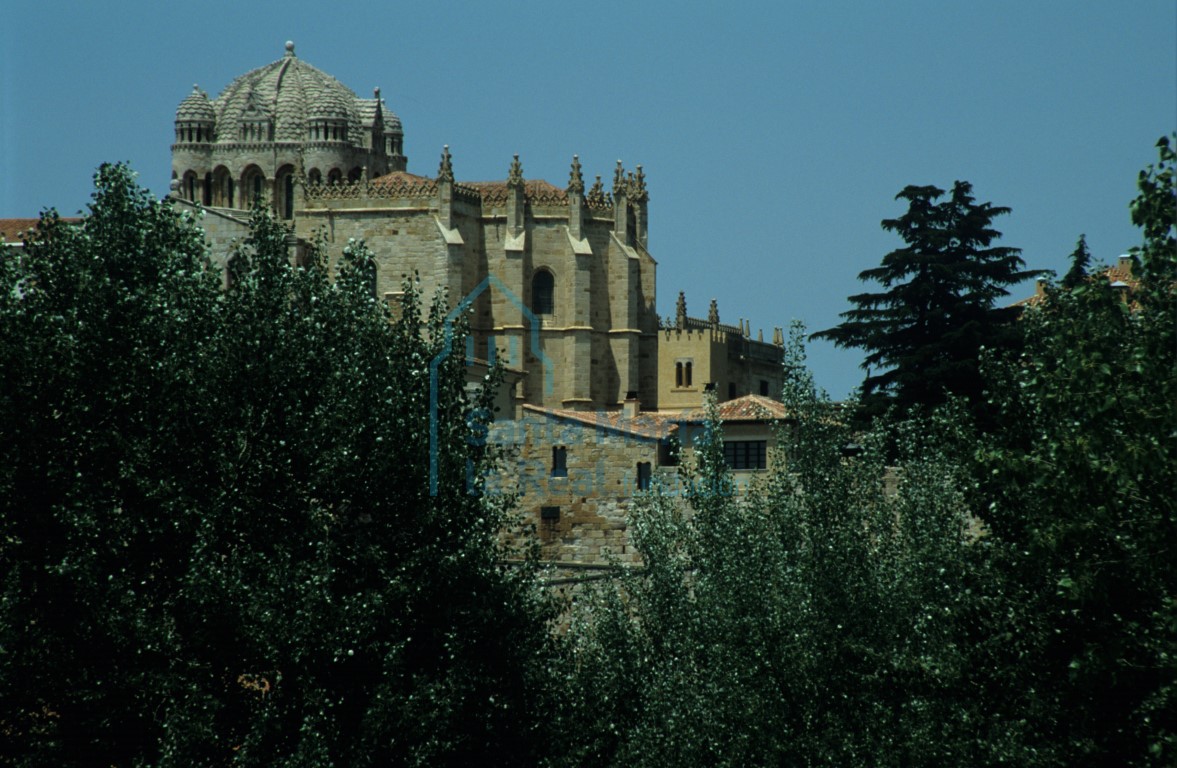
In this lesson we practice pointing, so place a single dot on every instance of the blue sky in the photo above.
(774, 135)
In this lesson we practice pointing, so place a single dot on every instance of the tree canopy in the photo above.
(924, 331)
(217, 541)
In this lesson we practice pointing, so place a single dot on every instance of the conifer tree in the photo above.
(1080, 261)
(924, 331)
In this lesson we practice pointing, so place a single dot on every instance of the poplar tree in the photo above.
(218, 543)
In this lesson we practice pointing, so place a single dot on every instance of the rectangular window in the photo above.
(644, 475)
(746, 454)
(549, 513)
(731, 390)
(764, 387)
(559, 462)
(678, 374)
(687, 377)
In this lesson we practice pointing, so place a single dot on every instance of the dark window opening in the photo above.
(746, 454)
(559, 462)
(764, 387)
(543, 290)
(549, 513)
(731, 390)
(645, 474)
(288, 202)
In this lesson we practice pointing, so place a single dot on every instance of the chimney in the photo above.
(631, 406)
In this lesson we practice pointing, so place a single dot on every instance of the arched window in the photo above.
(208, 189)
(355, 173)
(222, 187)
(288, 198)
(315, 176)
(253, 186)
(334, 176)
(189, 187)
(284, 188)
(543, 293)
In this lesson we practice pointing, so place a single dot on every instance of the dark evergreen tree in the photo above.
(1080, 261)
(924, 331)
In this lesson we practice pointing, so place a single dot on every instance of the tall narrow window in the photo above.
(644, 475)
(764, 387)
(288, 198)
(678, 368)
(559, 461)
(688, 374)
(731, 390)
(543, 289)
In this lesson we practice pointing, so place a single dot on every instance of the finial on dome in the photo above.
(289, 47)
(376, 90)
(196, 87)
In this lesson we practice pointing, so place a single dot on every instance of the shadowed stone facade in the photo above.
(557, 282)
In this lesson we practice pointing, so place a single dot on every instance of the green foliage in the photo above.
(818, 620)
(924, 331)
(217, 541)
(1082, 476)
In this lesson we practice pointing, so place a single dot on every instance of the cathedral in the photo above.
(557, 283)
(558, 280)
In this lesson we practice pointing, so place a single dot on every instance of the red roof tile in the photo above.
(11, 230)
(651, 425)
(746, 408)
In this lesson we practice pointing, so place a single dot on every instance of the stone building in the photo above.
(557, 282)
(558, 279)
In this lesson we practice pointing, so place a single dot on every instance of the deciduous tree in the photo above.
(217, 539)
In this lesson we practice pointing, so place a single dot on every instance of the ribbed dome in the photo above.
(288, 91)
(196, 107)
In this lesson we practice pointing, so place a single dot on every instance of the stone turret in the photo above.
(575, 192)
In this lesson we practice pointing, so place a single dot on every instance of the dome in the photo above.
(196, 107)
(288, 91)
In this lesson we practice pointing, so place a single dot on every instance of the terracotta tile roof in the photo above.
(399, 176)
(534, 190)
(11, 230)
(1118, 275)
(650, 425)
(656, 425)
(746, 408)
